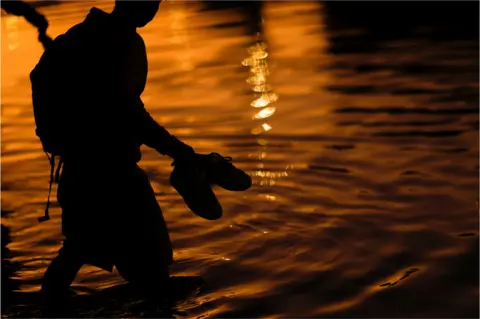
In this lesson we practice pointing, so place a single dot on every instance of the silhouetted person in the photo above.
(35, 18)
(86, 92)
(110, 216)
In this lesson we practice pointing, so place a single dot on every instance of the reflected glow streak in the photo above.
(270, 197)
(266, 112)
(260, 69)
(249, 61)
(270, 174)
(261, 88)
(257, 61)
(264, 100)
(257, 79)
(257, 51)
(266, 127)
(269, 182)
(258, 130)
(262, 141)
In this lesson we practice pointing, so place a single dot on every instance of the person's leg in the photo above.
(150, 279)
(57, 279)
(143, 247)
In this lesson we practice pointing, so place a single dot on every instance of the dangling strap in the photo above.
(44, 39)
(57, 172)
(52, 168)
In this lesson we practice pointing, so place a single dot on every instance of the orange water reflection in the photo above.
(365, 163)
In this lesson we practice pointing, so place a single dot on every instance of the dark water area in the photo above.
(358, 122)
(9, 268)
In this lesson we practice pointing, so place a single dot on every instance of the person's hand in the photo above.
(181, 152)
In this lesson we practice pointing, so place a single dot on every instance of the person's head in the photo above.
(137, 13)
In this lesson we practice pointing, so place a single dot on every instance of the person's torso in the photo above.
(97, 121)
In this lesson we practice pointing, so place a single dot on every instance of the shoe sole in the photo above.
(197, 194)
(223, 173)
(238, 181)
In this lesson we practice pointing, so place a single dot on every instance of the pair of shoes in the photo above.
(193, 185)
(193, 181)
(222, 172)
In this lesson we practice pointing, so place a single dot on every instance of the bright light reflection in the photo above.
(264, 100)
(257, 61)
(266, 127)
(266, 112)
(257, 79)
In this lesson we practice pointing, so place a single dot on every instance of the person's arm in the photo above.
(157, 137)
(146, 128)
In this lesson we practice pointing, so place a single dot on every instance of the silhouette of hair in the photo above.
(140, 13)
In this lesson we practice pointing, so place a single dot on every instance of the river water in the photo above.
(358, 124)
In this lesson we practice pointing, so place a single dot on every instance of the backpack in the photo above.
(47, 81)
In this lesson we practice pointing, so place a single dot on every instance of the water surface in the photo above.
(361, 134)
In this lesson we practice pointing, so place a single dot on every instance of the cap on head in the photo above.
(137, 12)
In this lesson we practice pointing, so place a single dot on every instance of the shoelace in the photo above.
(226, 158)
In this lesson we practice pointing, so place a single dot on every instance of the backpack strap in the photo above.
(45, 40)
(51, 159)
(57, 172)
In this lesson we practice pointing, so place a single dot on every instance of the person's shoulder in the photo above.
(138, 40)
(68, 37)
(137, 44)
